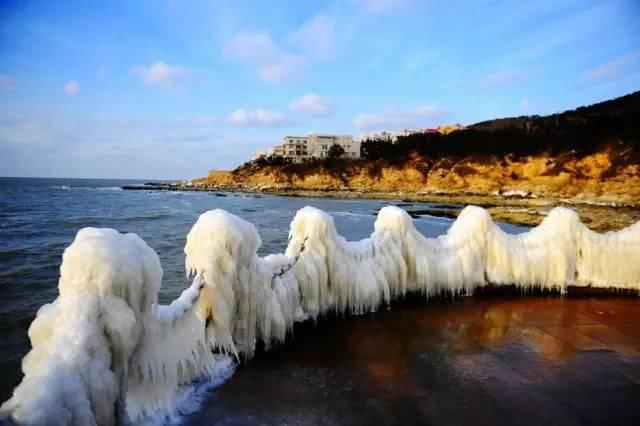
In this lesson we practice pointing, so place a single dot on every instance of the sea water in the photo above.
(39, 218)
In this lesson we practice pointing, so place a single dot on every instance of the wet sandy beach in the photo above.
(490, 360)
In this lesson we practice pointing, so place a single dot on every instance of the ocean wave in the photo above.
(190, 398)
(134, 218)
(141, 218)
(17, 271)
(350, 214)
(12, 253)
(86, 188)
(433, 219)
(43, 250)
(96, 188)
(109, 188)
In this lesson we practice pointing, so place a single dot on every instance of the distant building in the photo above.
(295, 147)
(445, 129)
(380, 136)
(258, 155)
(407, 132)
(276, 151)
(301, 148)
(319, 145)
(393, 136)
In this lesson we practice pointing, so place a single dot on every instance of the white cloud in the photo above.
(258, 49)
(378, 7)
(312, 105)
(6, 83)
(397, 119)
(612, 69)
(284, 67)
(313, 41)
(162, 74)
(316, 37)
(72, 87)
(40, 144)
(252, 47)
(256, 118)
(502, 78)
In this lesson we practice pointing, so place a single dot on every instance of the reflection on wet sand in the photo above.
(490, 360)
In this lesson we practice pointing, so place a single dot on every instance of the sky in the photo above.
(168, 89)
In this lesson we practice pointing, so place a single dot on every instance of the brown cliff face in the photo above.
(599, 177)
(518, 167)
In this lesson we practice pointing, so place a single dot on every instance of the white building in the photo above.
(295, 147)
(258, 155)
(277, 151)
(383, 136)
(301, 148)
(319, 145)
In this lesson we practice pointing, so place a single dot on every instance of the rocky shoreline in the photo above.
(515, 208)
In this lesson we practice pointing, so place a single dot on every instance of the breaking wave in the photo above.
(86, 188)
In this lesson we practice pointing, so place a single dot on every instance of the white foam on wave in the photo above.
(436, 220)
(350, 214)
(189, 398)
(109, 188)
(86, 188)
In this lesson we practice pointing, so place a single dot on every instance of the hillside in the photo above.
(589, 154)
(629, 104)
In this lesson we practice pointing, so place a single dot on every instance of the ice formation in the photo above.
(105, 351)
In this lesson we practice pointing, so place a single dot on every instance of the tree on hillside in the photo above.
(336, 151)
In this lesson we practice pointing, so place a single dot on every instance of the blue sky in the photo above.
(170, 89)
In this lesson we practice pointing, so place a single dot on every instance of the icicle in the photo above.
(105, 341)
(82, 342)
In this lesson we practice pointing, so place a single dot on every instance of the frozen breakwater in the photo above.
(106, 351)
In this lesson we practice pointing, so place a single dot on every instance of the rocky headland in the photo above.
(519, 168)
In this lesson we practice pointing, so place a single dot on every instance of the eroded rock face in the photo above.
(598, 177)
